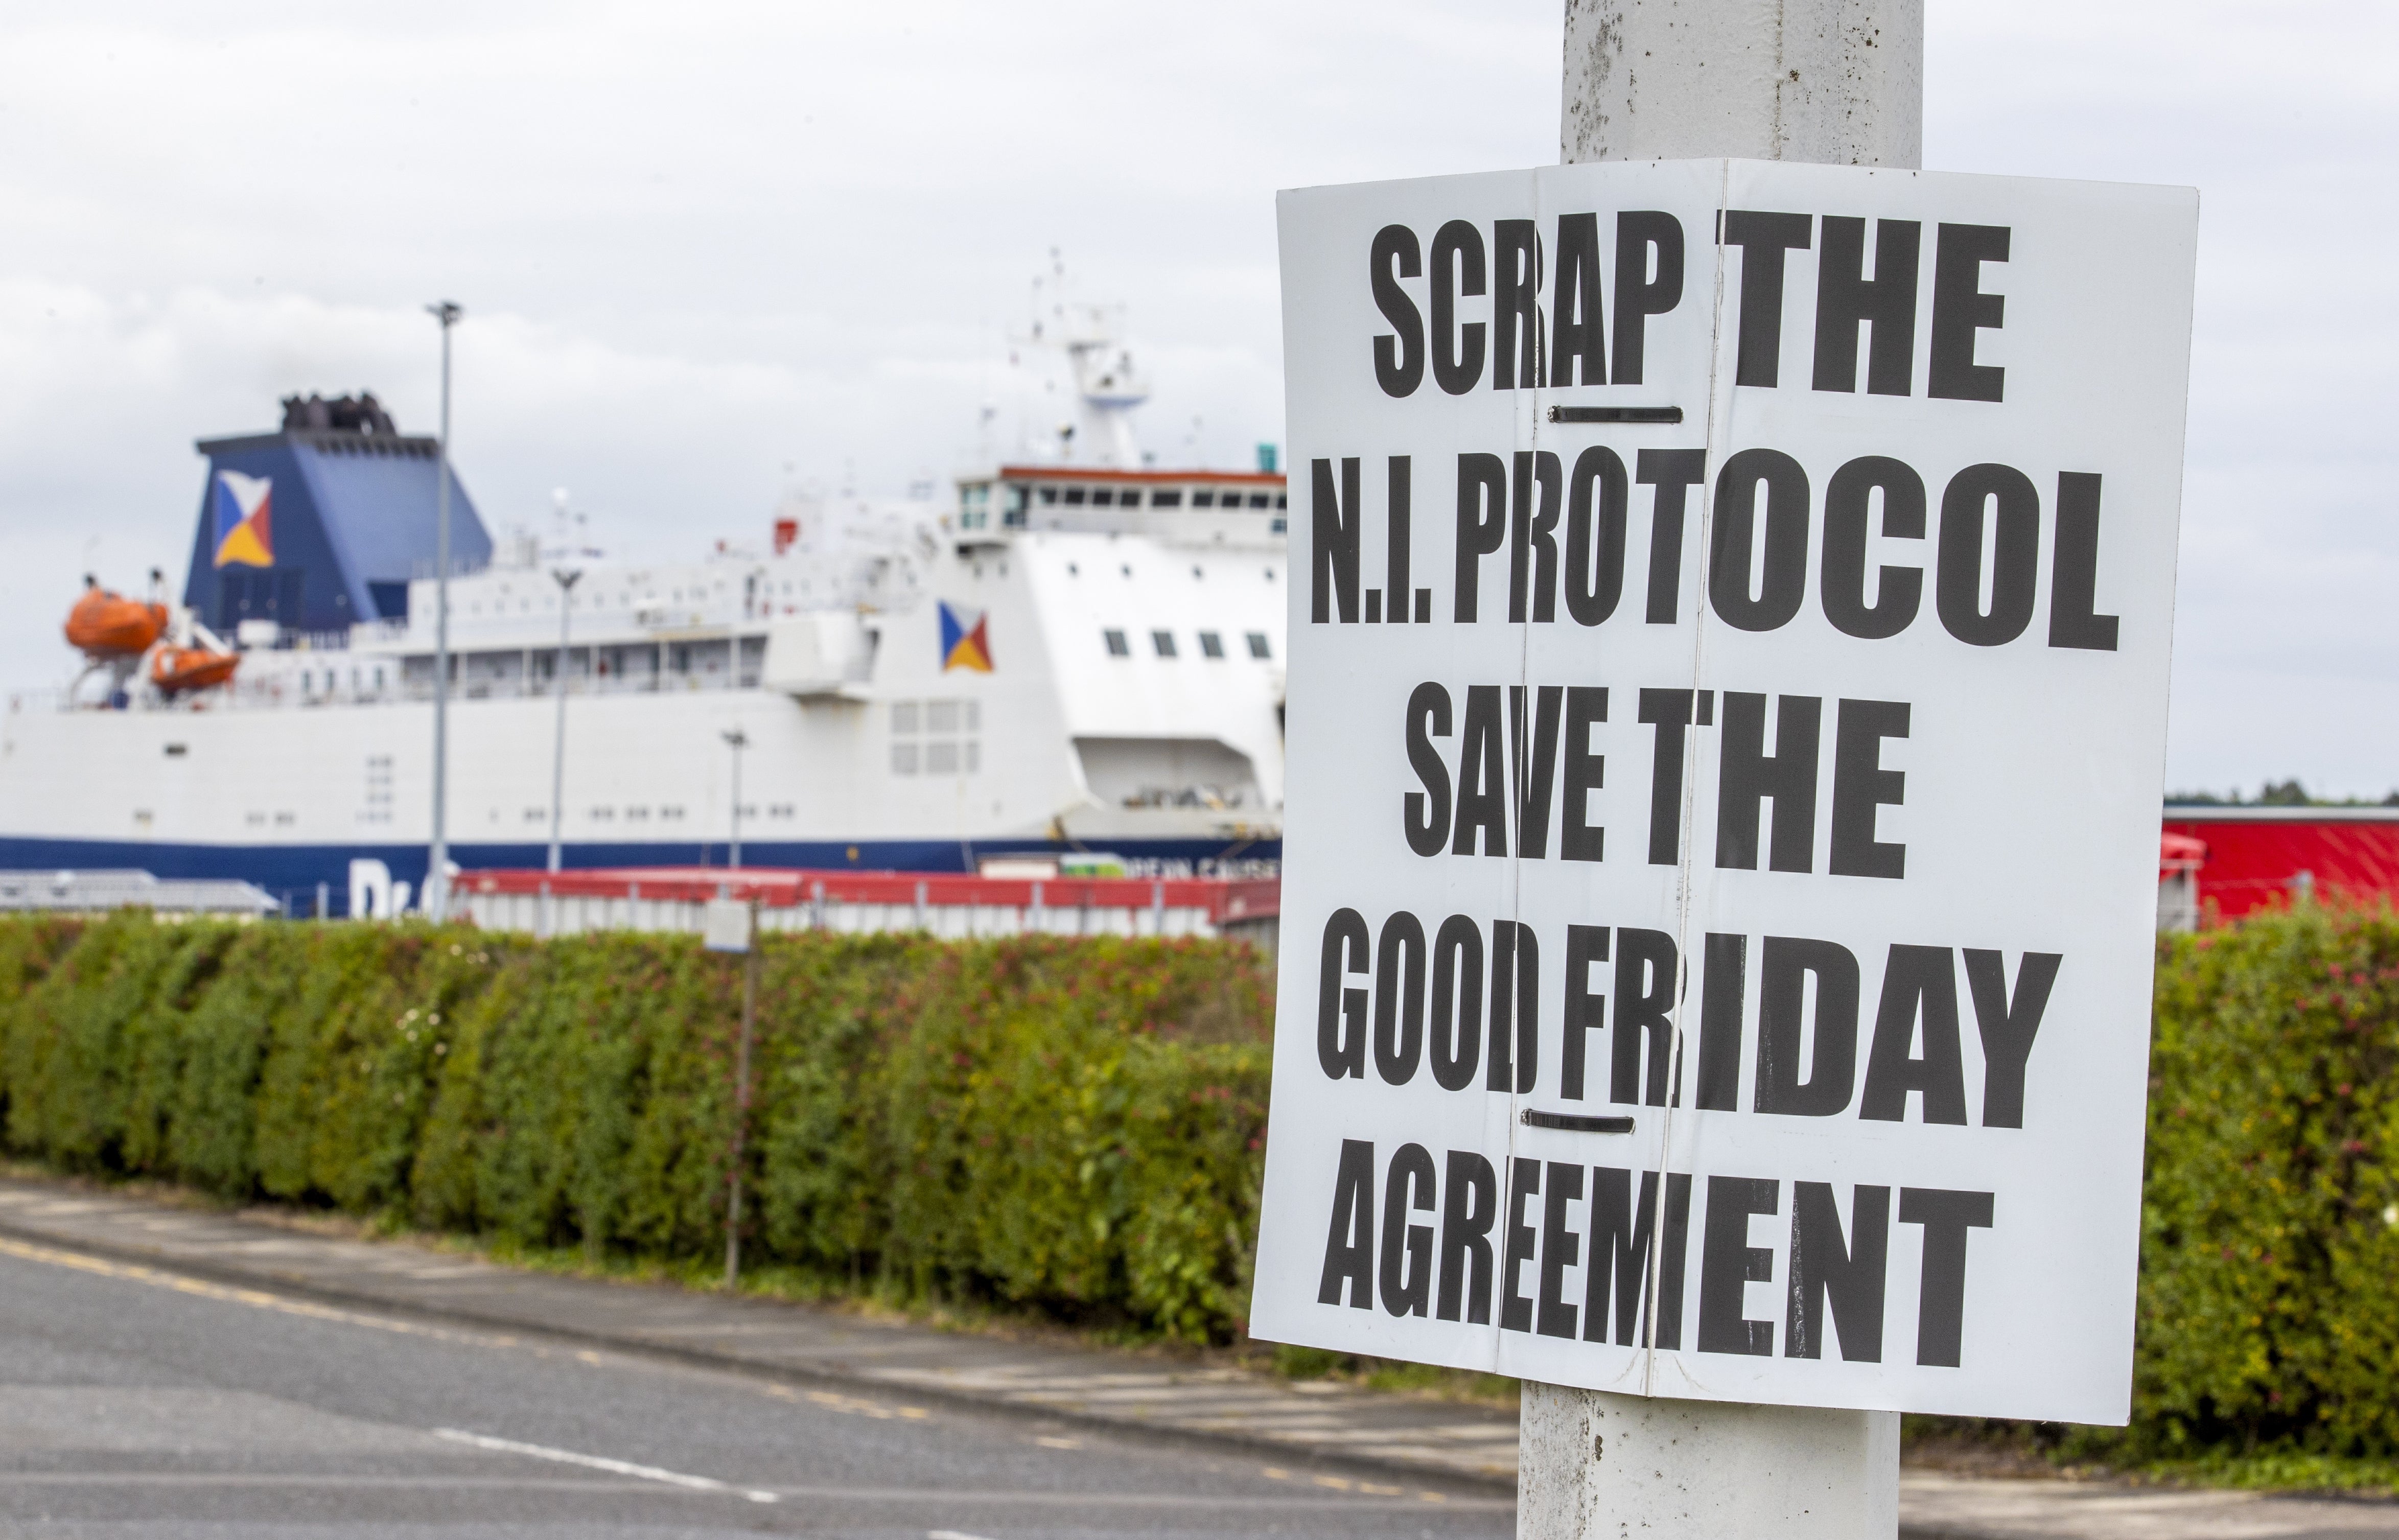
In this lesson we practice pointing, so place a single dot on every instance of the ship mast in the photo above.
(1108, 387)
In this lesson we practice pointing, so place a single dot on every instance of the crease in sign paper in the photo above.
(1716, 412)
(1705, 772)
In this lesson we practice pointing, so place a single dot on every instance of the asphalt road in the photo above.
(135, 1402)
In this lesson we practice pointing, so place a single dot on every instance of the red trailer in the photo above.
(2249, 858)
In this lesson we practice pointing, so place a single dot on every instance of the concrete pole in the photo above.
(1838, 82)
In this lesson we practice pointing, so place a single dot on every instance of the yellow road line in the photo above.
(257, 1299)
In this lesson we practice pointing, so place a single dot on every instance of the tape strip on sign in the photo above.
(1731, 611)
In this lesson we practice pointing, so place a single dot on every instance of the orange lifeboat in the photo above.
(175, 670)
(106, 623)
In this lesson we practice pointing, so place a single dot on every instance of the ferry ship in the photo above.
(1073, 652)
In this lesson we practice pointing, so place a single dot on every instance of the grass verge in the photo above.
(2057, 1451)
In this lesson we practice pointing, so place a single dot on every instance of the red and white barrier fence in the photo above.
(944, 904)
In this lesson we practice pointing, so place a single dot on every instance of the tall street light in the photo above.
(437, 877)
(566, 578)
(740, 740)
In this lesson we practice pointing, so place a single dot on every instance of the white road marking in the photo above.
(600, 1462)
(950, 1535)
(259, 1298)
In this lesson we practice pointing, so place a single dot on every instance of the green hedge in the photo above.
(2269, 1251)
(1073, 1125)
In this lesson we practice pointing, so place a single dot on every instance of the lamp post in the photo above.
(739, 740)
(566, 578)
(437, 876)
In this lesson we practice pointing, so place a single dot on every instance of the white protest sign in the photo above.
(1728, 690)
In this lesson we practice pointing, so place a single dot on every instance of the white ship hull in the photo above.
(863, 749)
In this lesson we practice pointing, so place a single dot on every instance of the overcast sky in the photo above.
(712, 252)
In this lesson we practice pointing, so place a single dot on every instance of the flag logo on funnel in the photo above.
(964, 642)
(242, 505)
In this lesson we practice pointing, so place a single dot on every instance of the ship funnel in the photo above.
(323, 522)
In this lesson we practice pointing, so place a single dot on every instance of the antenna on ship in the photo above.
(1107, 385)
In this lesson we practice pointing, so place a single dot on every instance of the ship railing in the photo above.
(286, 690)
(513, 688)
(312, 641)
(282, 688)
(537, 633)
(40, 698)
(426, 568)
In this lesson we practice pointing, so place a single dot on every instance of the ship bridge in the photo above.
(1201, 507)
(1157, 596)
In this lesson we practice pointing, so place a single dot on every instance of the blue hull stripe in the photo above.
(293, 872)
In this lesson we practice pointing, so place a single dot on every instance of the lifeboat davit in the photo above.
(175, 670)
(106, 623)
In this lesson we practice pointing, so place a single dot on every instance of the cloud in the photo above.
(701, 244)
